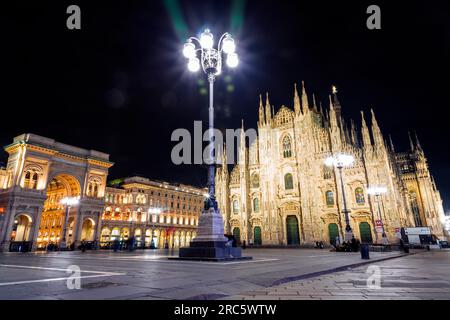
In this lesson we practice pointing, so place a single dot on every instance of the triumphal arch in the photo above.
(40, 172)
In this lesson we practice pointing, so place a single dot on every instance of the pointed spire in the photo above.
(419, 147)
(354, 134)
(314, 103)
(305, 105)
(273, 111)
(297, 108)
(391, 144)
(320, 108)
(411, 144)
(261, 112)
(365, 132)
(377, 136)
(268, 115)
(224, 159)
(333, 118)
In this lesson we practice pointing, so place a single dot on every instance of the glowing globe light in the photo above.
(228, 45)
(69, 201)
(189, 50)
(206, 39)
(194, 65)
(340, 160)
(232, 60)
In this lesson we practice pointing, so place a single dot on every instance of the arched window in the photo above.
(255, 205)
(34, 181)
(288, 182)
(359, 196)
(329, 196)
(95, 190)
(327, 172)
(27, 179)
(255, 181)
(235, 206)
(89, 192)
(287, 150)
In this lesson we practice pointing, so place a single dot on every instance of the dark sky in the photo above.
(120, 85)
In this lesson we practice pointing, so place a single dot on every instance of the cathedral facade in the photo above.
(282, 193)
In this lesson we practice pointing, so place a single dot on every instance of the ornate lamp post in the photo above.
(67, 202)
(210, 242)
(377, 191)
(341, 161)
(211, 63)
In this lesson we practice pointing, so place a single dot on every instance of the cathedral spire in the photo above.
(314, 103)
(268, 115)
(354, 135)
(419, 147)
(365, 132)
(297, 108)
(411, 144)
(305, 105)
(377, 136)
(391, 144)
(224, 159)
(333, 118)
(261, 112)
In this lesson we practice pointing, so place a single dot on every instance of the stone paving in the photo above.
(150, 275)
(421, 276)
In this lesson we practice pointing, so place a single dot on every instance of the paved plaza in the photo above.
(272, 274)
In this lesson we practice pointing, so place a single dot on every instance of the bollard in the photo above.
(364, 251)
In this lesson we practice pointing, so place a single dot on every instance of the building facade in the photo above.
(156, 213)
(40, 172)
(282, 193)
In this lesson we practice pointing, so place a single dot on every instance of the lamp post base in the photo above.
(210, 244)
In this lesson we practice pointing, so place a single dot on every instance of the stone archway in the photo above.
(53, 217)
(21, 228)
(88, 230)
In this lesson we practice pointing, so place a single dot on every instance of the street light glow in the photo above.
(70, 201)
(340, 160)
(228, 44)
(232, 60)
(189, 50)
(207, 39)
(194, 65)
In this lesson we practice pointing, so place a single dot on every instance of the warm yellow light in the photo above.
(334, 89)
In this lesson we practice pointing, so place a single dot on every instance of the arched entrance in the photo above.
(257, 241)
(365, 232)
(21, 228)
(333, 232)
(292, 234)
(115, 234)
(54, 212)
(87, 231)
(237, 235)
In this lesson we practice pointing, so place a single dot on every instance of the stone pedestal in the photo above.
(210, 242)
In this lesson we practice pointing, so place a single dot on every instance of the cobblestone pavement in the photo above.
(148, 274)
(422, 276)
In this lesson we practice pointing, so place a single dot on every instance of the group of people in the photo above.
(347, 246)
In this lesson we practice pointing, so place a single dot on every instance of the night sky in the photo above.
(120, 84)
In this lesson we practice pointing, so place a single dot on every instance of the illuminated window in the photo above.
(288, 182)
(235, 206)
(255, 181)
(255, 205)
(287, 150)
(359, 196)
(329, 196)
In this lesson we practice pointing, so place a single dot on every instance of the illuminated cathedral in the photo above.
(282, 193)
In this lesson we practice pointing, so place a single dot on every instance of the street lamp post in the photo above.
(210, 242)
(341, 161)
(211, 63)
(377, 192)
(67, 202)
(155, 211)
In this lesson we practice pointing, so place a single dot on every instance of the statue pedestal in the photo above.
(210, 242)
